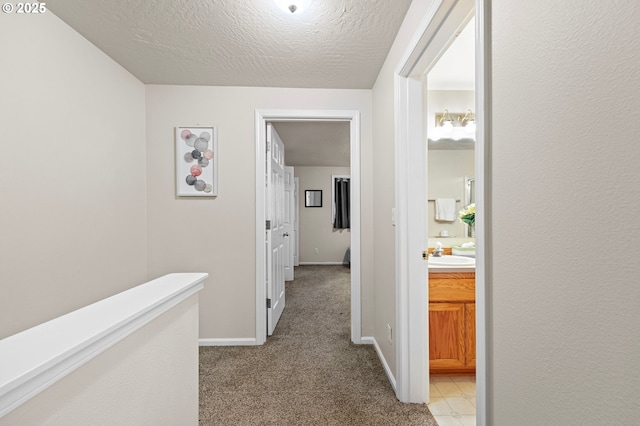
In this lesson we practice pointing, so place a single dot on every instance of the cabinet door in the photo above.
(446, 335)
(470, 334)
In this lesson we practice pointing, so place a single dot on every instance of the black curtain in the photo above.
(342, 191)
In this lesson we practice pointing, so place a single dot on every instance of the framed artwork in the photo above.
(313, 198)
(196, 162)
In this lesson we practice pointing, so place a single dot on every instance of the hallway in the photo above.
(308, 372)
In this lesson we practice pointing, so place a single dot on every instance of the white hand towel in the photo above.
(446, 209)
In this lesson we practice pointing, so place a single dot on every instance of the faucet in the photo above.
(437, 252)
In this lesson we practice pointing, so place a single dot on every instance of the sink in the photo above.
(450, 260)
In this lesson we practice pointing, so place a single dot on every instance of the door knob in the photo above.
(286, 234)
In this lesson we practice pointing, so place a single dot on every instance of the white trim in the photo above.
(367, 340)
(297, 221)
(387, 370)
(261, 118)
(248, 341)
(323, 263)
(483, 227)
(60, 346)
(412, 352)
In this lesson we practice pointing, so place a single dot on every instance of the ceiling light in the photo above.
(446, 122)
(293, 7)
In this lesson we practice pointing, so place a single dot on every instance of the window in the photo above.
(341, 194)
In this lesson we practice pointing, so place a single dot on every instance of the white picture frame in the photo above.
(196, 162)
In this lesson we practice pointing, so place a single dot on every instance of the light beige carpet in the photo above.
(308, 372)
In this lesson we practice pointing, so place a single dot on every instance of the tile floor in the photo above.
(453, 400)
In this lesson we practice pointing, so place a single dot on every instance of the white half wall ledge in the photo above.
(36, 358)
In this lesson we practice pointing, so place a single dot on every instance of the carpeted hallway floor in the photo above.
(308, 372)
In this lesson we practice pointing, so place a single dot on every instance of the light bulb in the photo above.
(447, 126)
(293, 7)
(470, 127)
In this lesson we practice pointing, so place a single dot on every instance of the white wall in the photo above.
(72, 173)
(564, 292)
(217, 236)
(384, 184)
(149, 378)
(316, 228)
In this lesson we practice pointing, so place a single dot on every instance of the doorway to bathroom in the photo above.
(450, 108)
(440, 27)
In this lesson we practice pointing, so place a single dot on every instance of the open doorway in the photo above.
(431, 40)
(451, 127)
(318, 151)
(314, 228)
(301, 116)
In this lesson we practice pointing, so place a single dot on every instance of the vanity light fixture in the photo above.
(446, 122)
(293, 7)
(454, 126)
(468, 121)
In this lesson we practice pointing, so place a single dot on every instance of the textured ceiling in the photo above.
(315, 143)
(333, 44)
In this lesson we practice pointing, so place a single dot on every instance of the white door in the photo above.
(289, 223)
(275, 214)
(296, 224)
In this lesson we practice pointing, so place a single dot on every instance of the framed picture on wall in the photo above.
(196, 162)
(313, 198)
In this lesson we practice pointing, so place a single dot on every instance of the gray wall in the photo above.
(564, 295)
(316, 228)
(72, 173)
(384, 184)
(224, 244)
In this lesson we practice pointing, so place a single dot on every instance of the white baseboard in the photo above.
(323, 263)
(387, 370)
(248, 341)
(367, 340)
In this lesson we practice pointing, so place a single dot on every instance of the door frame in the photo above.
(296, 259)
(433, 35)
(262, 116)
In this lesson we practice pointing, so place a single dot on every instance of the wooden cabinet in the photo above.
(446, 336)
(470, 334)
(452, 320)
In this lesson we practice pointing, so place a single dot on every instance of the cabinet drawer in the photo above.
(452, 287)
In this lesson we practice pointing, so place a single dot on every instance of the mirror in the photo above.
(451, 131)
(313, 198)
(451, 169)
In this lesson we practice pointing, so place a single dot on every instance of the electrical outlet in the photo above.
(389, 334)
(316, 251)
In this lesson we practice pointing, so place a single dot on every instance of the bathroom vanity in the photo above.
(452, 320)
